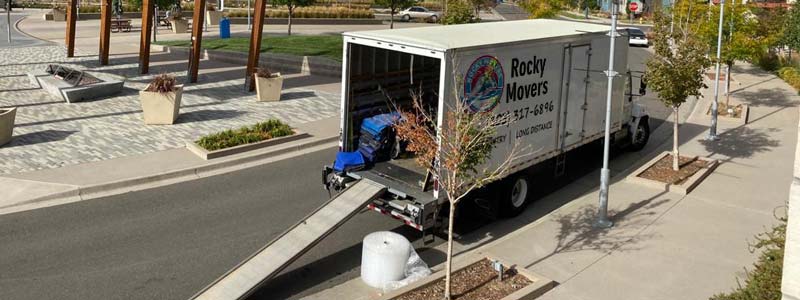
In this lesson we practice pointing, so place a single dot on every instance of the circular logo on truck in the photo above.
(483, 84)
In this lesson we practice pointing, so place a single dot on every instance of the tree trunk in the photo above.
(449, 264)
(728, 86)
(675, 153)
(391, 20)
(290, 20)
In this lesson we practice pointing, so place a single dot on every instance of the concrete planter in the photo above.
(213, 17)
(179, 26)
(683, 188)
(7, 116)
(269, 89)
(161, 109)
(59, 15)
(539, 284)
(206, 155)
(741, 121)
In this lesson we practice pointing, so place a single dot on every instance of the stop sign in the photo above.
(634, 6)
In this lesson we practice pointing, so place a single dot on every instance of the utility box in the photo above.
(225, 28)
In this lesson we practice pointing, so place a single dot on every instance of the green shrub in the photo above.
(769, 61)
(330, 12)
(458, 12)
(248, 134)
(763, 282)
(791, 75)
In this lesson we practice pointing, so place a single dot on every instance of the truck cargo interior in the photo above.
(385, 81)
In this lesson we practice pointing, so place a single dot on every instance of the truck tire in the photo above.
(640, 135)
(516, 191)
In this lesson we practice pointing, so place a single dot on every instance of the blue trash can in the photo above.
(224, 28)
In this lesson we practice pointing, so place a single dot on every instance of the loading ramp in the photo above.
(271, 259)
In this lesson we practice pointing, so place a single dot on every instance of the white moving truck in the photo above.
(547, 75)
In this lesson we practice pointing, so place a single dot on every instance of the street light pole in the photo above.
(8, 20)
(602, 212)
(712, 132)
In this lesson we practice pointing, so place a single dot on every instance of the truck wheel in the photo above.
(515, 196)
(641, 135)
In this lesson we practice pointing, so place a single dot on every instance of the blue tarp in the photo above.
(348, 161)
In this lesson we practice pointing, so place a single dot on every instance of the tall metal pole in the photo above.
(712, 132)
(602, 212)
(8, 19)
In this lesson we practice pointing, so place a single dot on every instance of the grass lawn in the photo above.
(329, 46)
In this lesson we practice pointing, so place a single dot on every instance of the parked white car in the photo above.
(420, 13)
(636, 37)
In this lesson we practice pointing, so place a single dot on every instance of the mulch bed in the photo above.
(722, 110)
(662, 170)
(710, 75)
(476, 282)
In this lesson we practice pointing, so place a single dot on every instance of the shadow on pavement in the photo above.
(208, 115)
(39, 137)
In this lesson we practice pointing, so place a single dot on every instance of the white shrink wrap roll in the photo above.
(383, 258)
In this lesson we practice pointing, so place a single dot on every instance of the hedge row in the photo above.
(270, 129)
(791, 75)
(312, 12)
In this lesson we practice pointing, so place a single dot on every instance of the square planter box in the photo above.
(59, 15)
(213, 17)
(684, 188)
(179, 26)
(269, 89)
(206, 155)
(539, 284)
(161, 109)
(742, 120)
(7, 116)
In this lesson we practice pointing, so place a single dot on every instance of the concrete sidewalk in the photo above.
(663, 245)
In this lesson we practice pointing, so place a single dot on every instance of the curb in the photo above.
(81, 193)
(791, 260)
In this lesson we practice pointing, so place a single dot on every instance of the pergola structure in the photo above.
(148, 7)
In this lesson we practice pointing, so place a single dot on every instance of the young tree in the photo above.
(458, 12)
(791, 33)
(479, 5)
(116, 8)
(464, 142)
(543, 8)
(291, 5)
(740, 39)
(676, 73)
(394, 7)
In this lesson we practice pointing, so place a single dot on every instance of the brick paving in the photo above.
(50, 133)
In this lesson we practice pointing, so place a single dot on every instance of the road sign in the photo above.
(634, 6)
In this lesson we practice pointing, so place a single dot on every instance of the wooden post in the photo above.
(197, 38)
(255, 44)
(105, 30)
(72, 16)
(144, 42)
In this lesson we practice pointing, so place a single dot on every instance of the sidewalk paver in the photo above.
(50, 133)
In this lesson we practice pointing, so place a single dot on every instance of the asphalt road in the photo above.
(18, 39)
(169, 242)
